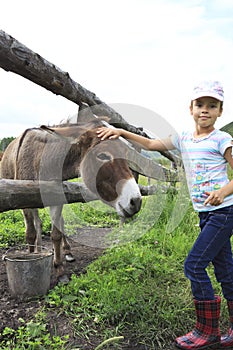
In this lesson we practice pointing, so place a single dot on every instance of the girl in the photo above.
(205, 153)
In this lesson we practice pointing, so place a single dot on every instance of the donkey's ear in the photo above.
(104, 118)
(85, 114)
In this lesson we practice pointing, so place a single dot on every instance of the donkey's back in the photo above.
(35, 154)
(8, 162)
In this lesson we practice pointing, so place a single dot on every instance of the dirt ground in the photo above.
(11, 309)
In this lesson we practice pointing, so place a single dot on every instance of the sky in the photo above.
(142, 57)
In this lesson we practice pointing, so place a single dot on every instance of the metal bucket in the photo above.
(28, 274)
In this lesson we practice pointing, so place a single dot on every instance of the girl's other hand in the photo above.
(214, 198)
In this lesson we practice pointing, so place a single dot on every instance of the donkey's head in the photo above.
(106, 173)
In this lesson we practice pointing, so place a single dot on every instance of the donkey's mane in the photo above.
(69, 129)
(81, 122)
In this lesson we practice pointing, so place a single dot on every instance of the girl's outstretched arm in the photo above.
(149, 144)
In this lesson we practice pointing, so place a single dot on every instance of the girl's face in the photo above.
(205, 111)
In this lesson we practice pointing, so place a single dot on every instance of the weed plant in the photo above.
(32, 335)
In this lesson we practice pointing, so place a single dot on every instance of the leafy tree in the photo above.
(228, 128)
(5, 142)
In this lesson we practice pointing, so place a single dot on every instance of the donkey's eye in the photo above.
(104, 156)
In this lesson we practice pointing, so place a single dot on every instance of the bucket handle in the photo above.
(4, 255)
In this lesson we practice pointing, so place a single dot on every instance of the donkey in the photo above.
(64, 152)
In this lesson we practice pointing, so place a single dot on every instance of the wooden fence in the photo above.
(17, 58)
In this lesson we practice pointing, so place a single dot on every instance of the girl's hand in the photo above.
(108, 133)
(214, 197)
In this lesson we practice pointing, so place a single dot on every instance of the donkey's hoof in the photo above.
(55, 280)
(58, 269)
(63, 279)
(69, 257)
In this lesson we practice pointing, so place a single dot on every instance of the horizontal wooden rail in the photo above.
(21, 194)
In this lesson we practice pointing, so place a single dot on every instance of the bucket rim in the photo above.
(19, 247)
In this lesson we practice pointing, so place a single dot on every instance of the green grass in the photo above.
(94, 214)
(137, 288)
(12, 228)
(76, 215)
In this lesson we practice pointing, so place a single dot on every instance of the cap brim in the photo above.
(207, 94)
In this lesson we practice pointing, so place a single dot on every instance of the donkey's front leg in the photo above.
(67, 250)
(66, 246)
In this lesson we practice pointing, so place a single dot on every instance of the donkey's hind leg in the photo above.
(38, 226)
(33, 228)
(57, 233)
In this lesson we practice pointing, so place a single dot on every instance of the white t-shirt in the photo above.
(205, 165)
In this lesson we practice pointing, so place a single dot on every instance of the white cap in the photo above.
(208, 88)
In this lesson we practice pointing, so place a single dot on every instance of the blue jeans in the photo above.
(212, 245)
